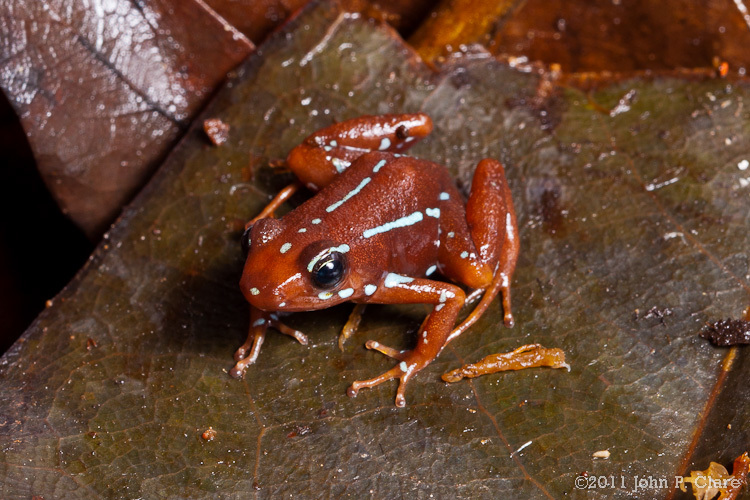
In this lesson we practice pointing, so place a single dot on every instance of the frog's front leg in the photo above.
(330, 151)
(433, 334)
(259, 323)
(352, 324)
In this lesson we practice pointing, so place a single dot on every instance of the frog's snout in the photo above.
(248, 290)
(263, 297)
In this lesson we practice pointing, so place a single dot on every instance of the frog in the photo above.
(382, 227)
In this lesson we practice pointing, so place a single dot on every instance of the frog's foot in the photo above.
(350, 328)
(403, 371)
(400, 371)
(248, 352)
(238, 371)
(478, 293)
(257, 335)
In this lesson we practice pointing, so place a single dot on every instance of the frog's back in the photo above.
(385, 207)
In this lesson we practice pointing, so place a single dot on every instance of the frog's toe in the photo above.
(242, 351)
(296, 334)
(238, 371)
(360, 384)
(400, 397)
(388, 351)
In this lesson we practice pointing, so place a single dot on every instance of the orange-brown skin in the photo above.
(389, 222)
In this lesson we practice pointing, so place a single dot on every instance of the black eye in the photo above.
(329, 270)
(245, 241)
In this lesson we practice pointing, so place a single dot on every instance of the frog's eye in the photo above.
(245, 240)
(329, 270)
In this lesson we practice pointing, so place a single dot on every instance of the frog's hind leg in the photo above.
(330, 151)
(494, 233)
(492, 221)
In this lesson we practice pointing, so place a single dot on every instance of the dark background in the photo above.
(40, 249)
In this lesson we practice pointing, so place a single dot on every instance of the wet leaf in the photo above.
(604, 35)
(633, 216)
(255, 18)
(404, 15)
(458, 22)
(626, 36)
(104, 88)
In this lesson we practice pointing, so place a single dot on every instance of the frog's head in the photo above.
(287, 270)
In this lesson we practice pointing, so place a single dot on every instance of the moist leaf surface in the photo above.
(633, 217)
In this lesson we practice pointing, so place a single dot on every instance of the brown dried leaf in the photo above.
(586, 36)
(104, 88)
(256, 18)
(454, 23)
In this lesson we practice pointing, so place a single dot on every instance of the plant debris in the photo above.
(527, 356)
(727, 332)
(707, 483)
(216, 130)
(209, 434)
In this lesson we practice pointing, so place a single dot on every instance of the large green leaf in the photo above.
(633, 230)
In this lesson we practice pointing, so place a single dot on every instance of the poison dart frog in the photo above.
(380, 229)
